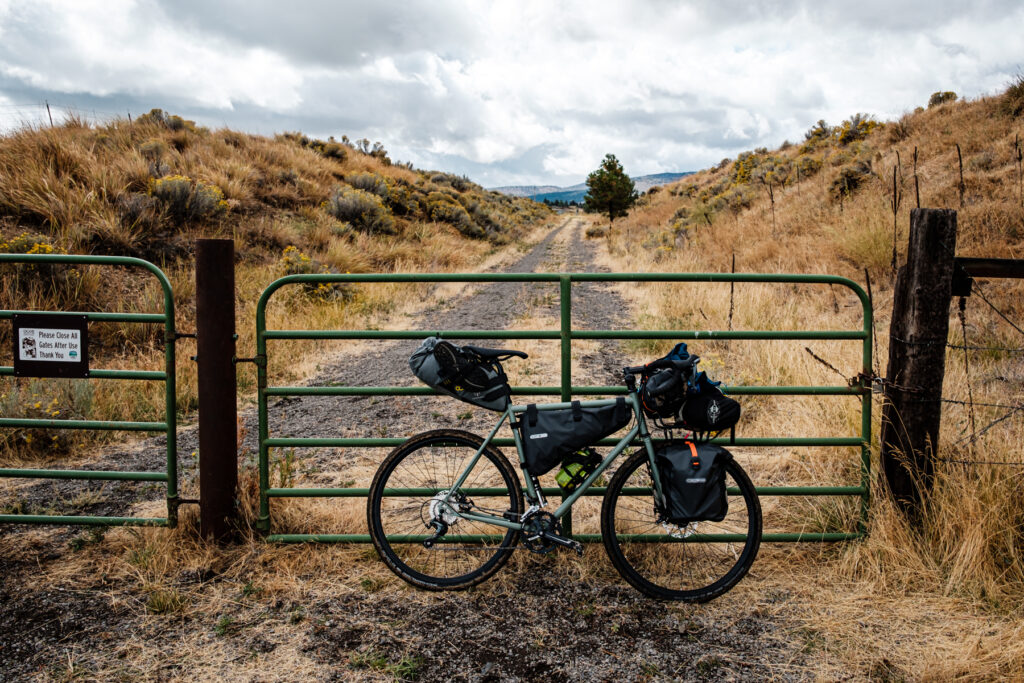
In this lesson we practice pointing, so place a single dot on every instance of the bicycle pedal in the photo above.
(564, 542)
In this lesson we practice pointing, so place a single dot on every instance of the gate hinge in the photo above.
(260, 360)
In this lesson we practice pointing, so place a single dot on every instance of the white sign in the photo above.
(49, 345)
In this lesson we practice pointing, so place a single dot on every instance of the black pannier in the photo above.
(462, 373)
(551, 435)
(693, 480)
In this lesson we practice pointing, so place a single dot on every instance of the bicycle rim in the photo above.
(405, 499)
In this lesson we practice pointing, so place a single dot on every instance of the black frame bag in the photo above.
(549, 436)
(693, 481)
(460, 372)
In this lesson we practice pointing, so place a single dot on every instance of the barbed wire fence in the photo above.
(970, 433)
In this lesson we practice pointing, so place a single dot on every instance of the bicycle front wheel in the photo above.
(693, 563)
(407, 497)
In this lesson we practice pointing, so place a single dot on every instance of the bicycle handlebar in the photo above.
(661, 363)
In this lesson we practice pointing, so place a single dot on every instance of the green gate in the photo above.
(566, 389)
(167, 376)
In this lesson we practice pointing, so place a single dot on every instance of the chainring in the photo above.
(535, 527)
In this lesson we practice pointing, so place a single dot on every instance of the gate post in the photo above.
(912, 410)
(215, 332)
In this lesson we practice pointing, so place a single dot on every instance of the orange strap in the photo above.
(693, 452)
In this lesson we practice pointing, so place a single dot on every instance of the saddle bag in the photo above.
(461, 373)
(549, 436)
(693, 480)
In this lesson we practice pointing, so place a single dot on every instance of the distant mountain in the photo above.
(576, 193)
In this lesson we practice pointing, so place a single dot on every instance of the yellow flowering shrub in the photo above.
(295, 262)
(185, 199)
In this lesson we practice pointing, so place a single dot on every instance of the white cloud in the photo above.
(507, 89)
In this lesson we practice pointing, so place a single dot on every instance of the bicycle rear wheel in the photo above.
(406, 497)
(695, 563)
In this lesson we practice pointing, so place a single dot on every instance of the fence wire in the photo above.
(1013, 409)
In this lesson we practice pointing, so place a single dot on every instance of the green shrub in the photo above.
(44, 284)
(441, 208)
(44, 400)
(807, 166)
(153, 150)
(401, 200)
(941, 97)
(364, 210)
(139, 213)
(169, 121)
(849, 179)
(184, 199)
(370, 182)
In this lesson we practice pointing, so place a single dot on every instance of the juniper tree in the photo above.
(610, 190)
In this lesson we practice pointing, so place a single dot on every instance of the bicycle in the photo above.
(446, 509)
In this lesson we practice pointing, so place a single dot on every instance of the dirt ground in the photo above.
(154, 604)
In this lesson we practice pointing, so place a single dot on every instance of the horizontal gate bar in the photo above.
(808, 335)
(83, 520)
(587, 538)
(297, 442)
(556, 391)
(551, 491)
(84, 424)
(101, 317)
(779, 278)
(155, 375)
(105, 475)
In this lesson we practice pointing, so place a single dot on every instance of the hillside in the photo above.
(293, 204)
(902, 602)
(575, 193)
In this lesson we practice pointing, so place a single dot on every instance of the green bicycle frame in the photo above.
(536, 495)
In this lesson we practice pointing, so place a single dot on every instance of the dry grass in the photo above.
(935, 601)
(75, 188)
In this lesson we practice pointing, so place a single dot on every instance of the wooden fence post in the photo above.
(912, 409)
(215, 344)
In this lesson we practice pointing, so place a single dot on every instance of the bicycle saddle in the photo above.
(492, 354)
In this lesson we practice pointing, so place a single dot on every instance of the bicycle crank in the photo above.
(541, 535)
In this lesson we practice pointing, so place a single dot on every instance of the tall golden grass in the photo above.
(939, 597)
(150, 187)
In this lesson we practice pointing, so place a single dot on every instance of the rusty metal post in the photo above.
(215, 331)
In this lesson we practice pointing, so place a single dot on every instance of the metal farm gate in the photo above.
(168, 426)
(565, 390)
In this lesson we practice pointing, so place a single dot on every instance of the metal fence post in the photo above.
(215, 331)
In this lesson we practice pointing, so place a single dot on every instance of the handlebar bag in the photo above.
(663, 390)
(549, 436)
(461, 373)
(693, 481)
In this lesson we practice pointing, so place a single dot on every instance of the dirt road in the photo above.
(259, 612)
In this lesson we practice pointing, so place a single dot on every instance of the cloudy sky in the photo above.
(517, 92)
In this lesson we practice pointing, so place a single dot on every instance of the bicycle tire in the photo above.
(682, 568)
(432, 461)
